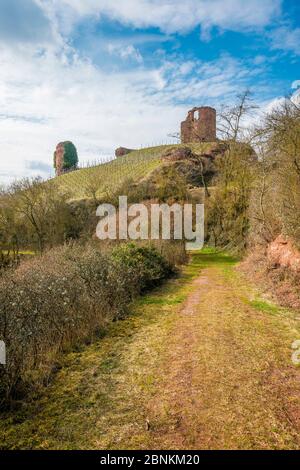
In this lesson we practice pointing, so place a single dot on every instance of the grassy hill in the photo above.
(135, 165)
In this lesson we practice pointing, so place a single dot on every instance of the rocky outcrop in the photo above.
(177, 153)
(195, 165)
(282, 253)
(121, 151)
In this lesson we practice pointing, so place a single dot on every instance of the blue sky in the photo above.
(105, 73)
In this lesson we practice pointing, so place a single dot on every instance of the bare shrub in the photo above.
(227, 216)
(275, 200)
(62, 298)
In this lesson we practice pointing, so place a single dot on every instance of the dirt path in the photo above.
(230, 384)
(203, 363)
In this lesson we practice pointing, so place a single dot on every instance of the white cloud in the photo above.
(48, 93)
(44, 100)
(271, 105)
(187, 67)
(49, 97)
(176, 15)
(286, 38)
(295, 84)
(125, 51)
(259, 59)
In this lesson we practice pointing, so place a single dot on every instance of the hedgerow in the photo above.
(64, 297)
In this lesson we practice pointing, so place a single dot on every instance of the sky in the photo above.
(106, 73)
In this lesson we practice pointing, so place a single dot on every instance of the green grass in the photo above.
(264, 306)
(136, 165)
(210, 256)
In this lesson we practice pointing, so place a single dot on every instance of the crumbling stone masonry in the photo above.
(65, 158)
(199, 126)
(59, 159)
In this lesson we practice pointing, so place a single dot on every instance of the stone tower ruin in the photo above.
(65, 158)
(199, 126)
(59, 159)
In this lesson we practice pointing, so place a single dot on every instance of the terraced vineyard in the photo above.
(136, 165)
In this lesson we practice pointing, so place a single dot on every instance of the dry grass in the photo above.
(279, 283)
(231, 384)
(136, 166)
(199, 364)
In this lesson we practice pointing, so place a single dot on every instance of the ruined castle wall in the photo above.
(199, 126)
(59, 159)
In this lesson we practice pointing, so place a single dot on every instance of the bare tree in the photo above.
(42, 207)
(231, 118)
(277, 140)
(10, 232)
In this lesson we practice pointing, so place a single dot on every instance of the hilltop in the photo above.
(136, 166)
